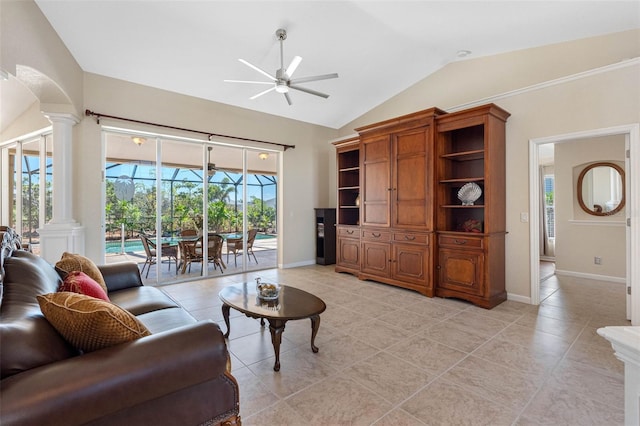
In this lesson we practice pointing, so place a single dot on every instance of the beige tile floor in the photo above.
(390, 356)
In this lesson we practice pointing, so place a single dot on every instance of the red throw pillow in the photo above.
(79, 282)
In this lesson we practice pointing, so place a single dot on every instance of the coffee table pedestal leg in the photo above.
(315, 325)
(276, 327)
(225, 314)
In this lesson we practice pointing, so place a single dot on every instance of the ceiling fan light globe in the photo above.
(138, 140)
(282, 88)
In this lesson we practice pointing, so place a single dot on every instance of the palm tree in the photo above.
(221, 191)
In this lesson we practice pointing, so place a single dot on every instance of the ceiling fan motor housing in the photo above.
(281, 34)
(282, 83)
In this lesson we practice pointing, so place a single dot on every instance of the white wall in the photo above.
(523, 83)
(599, 101)
(595, 101)
(581, 236)
(304, 183)
(474, 79)
(30, 120)
(29, 40)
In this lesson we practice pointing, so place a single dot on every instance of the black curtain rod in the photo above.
(209, 134)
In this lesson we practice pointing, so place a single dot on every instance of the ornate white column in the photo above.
(62, 233)
(626, 344)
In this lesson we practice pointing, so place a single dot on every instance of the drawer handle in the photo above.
(457, 241)
(349, 231)
(410, 237)
(376, 235)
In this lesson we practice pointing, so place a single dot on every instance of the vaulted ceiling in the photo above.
(378, 48)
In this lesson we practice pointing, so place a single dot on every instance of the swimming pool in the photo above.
(135, 245)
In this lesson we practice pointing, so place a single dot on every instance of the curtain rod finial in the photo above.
(88, 113)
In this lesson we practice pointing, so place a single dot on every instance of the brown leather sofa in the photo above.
(176, 376)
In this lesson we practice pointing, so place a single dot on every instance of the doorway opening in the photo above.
(547, 219)
(631, 134)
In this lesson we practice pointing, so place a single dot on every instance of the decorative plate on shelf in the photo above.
(469, 193)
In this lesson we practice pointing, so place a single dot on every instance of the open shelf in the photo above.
(349, 169)
(348, 159)
(477, 154)
(456, 216)
(464, 141)
(463, 180)
(461, 153)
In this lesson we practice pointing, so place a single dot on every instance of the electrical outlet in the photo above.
(524, 217)
(597, 260)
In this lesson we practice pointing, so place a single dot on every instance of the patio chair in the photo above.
(191, 252)
(188, 233)
(149, 245)
(234, 245)
(214, 251)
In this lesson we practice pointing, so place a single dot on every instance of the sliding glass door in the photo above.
(26, 181)
(184, 208)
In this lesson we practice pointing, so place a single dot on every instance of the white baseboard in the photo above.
(519, 298)
(297, 264)
(620, 280)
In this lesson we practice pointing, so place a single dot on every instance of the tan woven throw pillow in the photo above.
(88, 323)
(75, 262)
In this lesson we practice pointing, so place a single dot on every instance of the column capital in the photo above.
(61, 117)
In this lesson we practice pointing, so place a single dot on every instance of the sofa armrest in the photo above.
(100, 383)
(119, 276)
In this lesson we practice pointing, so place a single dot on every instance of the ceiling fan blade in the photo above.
(293, 65)
(311, 92)
(314, 78)
(261, 71)
(246, 81)
(286, 95)
(262, 93)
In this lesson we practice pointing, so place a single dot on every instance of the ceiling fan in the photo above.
(282, 81)
(211, 167)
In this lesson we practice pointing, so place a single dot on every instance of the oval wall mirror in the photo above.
(600, 189)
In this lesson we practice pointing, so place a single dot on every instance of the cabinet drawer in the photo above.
(375, 235)
(460, 242)
(349, 232)
(411, 237)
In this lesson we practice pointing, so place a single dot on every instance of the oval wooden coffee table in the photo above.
(292, 304)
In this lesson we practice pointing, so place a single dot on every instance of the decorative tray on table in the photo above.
(267, 291)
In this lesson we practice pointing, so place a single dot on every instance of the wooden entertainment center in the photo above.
(399, 219)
